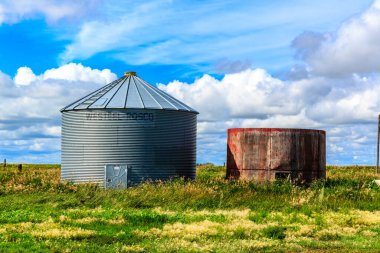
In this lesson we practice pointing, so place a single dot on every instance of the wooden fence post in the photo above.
(377, 151)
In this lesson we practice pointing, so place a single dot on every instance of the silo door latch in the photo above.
(116, 175)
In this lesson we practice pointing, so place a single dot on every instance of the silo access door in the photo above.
(116, 175)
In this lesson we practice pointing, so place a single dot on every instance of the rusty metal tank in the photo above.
(267, 154)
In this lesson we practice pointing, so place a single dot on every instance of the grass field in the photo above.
(40, 214)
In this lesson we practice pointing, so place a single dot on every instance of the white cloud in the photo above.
(214, 34)
(77, 72)
(30, 113)
(24, 76)
(347, 109)
(353, 48)
(53, 10)
(69, 72)
(250, 93)
(36, 146)
(335, 148)
(257, 97)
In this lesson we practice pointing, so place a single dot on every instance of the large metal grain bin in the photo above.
(267, 154)
(127, 132)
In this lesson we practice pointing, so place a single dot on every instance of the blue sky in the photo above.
(258, 33)
(304, 64)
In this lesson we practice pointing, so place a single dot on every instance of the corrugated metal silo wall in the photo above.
(262, 153)
(155, 144)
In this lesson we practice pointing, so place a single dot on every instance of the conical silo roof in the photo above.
(129, 92)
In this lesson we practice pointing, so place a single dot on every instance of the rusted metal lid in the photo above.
(294, 130)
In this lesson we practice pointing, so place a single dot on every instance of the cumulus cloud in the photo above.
(255, 94)
(53, 10)
(77, 72)
(353, 48)
(29, 116)
(69, 72)
(347, 109)
(24, 76)
(250, 93)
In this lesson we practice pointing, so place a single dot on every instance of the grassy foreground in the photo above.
(40, 214)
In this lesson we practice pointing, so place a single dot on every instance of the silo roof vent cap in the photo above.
(130, 73)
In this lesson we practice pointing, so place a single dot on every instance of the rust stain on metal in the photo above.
(265, 154)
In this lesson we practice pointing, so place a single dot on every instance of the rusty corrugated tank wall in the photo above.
(266, 154)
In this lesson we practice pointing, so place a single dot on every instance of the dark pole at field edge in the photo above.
(377, 153)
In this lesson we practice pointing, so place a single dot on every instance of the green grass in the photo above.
(40, 214)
